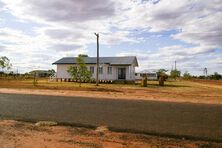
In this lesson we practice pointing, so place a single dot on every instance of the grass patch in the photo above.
(187, 91)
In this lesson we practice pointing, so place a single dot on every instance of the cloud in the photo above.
(205, 31)
(85, 17)
(119, 37)
(1, 6)
(65, 47)
(62, 34)
(2, 48)
(26, 52)
(186, 60)
(195, 21)
(62, 11)
(68, 27)
(66, 35)
(217, 61)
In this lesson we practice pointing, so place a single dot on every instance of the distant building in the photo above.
(150, 75)
(40, 73)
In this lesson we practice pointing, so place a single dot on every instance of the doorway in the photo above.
(121, 73)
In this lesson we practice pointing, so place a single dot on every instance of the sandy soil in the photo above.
(22, 134)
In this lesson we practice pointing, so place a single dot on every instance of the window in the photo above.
(91, 69)
(109, 70)
(100, 70)
(151, 74)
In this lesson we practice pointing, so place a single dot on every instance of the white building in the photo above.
(151, 75)
(111, 68)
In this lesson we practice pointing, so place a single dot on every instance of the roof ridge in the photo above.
(105, 57)
(124, 60)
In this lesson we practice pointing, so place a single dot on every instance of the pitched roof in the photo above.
(102, 60)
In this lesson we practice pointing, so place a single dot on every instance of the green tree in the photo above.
(162, 73)
(52, 72)
(80, 73)
(5, 63)
(83, 55)
(187, 75)
(175, 74)
(216, 76)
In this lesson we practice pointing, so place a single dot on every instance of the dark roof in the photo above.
(102, 60)
(39, 71)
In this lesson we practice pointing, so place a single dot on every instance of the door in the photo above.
(121, 73)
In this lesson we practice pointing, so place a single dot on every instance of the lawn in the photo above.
(195, 91)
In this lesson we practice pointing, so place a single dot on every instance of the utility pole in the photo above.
(175, 65)
(97, 60)
(205, 72)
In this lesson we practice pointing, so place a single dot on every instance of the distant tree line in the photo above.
(176, 74)
(5, 67)
(215, 76)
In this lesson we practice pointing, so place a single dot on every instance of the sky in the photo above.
(36, 33)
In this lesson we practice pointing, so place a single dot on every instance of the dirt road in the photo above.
(202, 121)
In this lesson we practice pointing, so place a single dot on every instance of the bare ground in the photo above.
(23, 134)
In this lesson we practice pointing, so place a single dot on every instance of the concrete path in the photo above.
(200, 121)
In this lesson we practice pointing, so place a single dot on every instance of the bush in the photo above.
(187, 76)
(175, 74)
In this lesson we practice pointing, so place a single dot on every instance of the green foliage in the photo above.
(83, 55)
(52, 72)
(175, 74)
(215, 76)
(5, 63)
(80, 73)
(162, 73)
(187, 75)
(202, 77)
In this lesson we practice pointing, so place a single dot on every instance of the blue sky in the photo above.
(35, 33)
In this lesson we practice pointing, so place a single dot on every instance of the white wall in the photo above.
(130, 72)
(62, 71)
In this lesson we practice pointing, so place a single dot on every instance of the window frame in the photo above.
(92, 69)
(100, 70)
(109, 70)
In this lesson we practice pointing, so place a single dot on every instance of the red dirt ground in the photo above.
(21, 134)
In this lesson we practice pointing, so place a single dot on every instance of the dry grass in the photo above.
(196, 91)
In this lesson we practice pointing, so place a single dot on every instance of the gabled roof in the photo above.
(102, 60)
